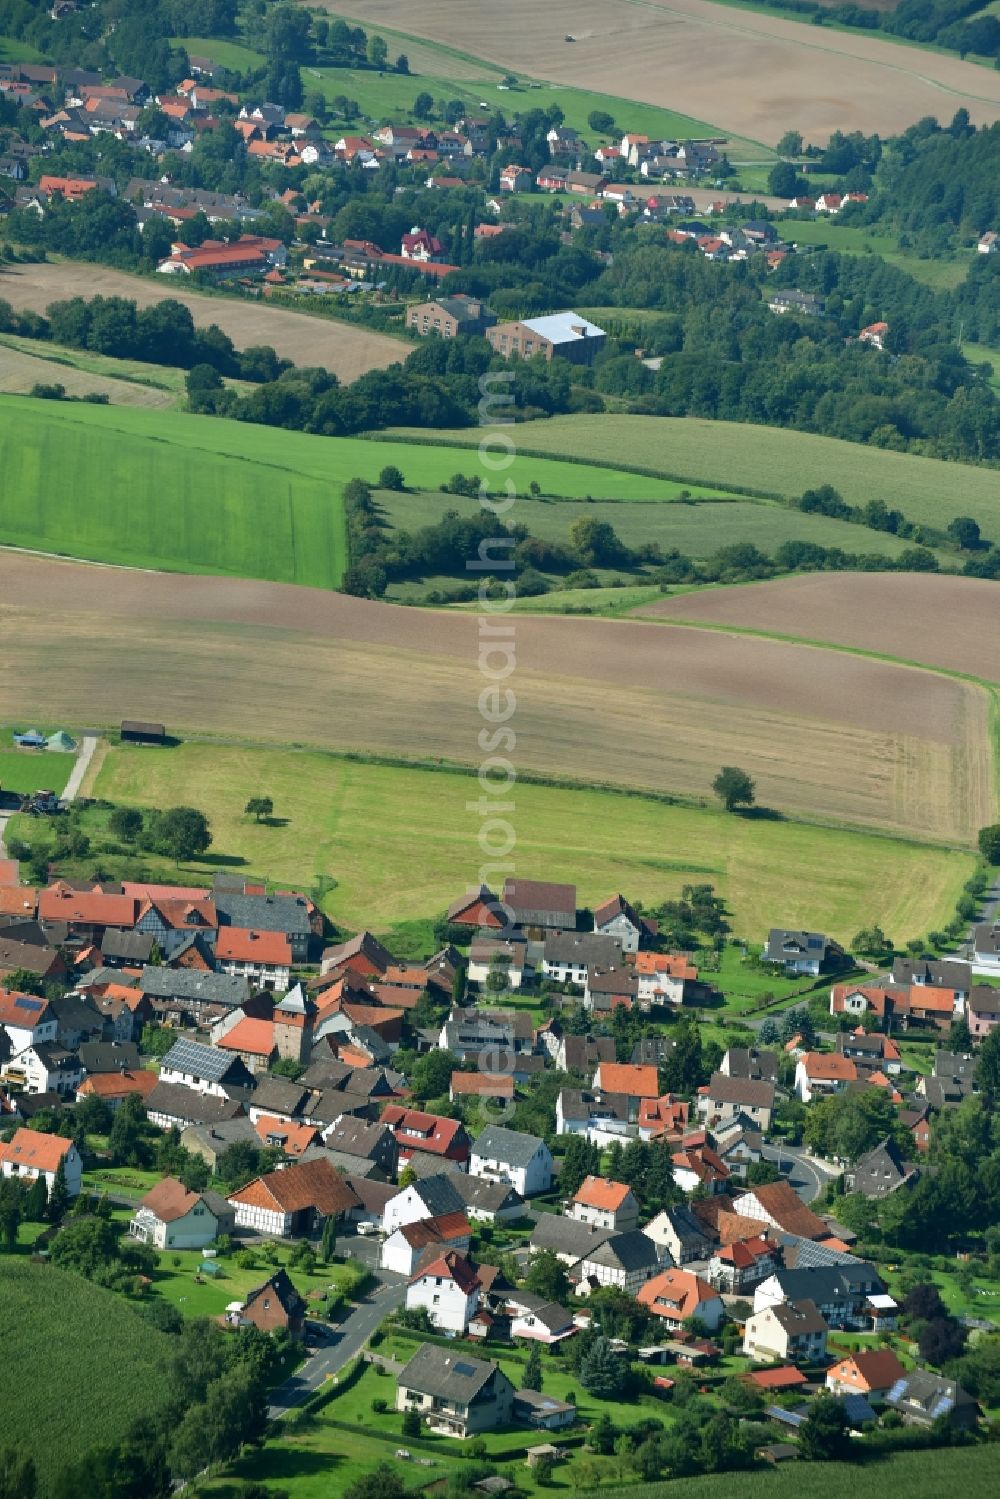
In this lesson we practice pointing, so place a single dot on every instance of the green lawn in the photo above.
(185, 493)
(697, 530)
(82, 1364)
(768, 460)
(175, 1280)
(369, 827)
(123, 1181)
(130, 371)
(24, 770)
(12, 50)
(983, 354)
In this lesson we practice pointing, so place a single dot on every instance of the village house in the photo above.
(251, 1040)
(726, 1098)
(615, 917)
(982, 1011)
(872, 1372)
(421, 245)
(447, 1287)
(495, 954)
(455, 1395)
(988, 243)
(275, 1306)
(840, 1291)
(26, 1020)
(403, 1250)
(567, 956)
(698, 1165)
(779, 1205)
(880, 1171)
(265, 958)
(485, 1201)
(625, 1261)
(921, 1398)
(801, 952)
(171, 1105)
(519, 1160)
(538, 1320)
(677, 1296)
(204, 1069)
(677, 1232)
(567, 1238)
(495, 1088)
(599, 1117)
(947, 974)
(297, 1200)
(819, 1074)
(516, 179)
(608, 1204)
(418, 1133)
(870, 1051)
(736, 1268)
(664, 978)
(794, 1331)
(114, 1087)
(172, 1217)
(433, 1197)
(29, 1155)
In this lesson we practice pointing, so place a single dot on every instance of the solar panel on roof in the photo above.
(896, 1392)
(22, 1002)
(463, 1368)
(941, 1407)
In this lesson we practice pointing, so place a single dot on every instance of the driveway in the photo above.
(87, 747)
(340, 1345)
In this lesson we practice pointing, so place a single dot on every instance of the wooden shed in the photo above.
(135, 731)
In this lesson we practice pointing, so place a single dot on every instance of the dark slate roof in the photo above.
(748, 1062)
(439, 1196)
(134, 947)
(264, 913)
(195, 984)
(219, 1134)
(508, 1145)
(740, 1090)
(488, 1197)
(279, 1095)
(825, 1283)
(109, 1056)
(447, 1374)
(178, 1102)
(628, 1251)
(568, 1236)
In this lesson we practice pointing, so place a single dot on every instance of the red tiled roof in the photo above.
(500, 1085)
(31, 1148)
(241, 945)
(250, 1035)
(623, 1077)
(92, 907)
(829, 1067)
(675, 1294)
(436, 1230)
(22, 1010)
(308, 1184)
(295, 1138)
(415, 1130)
(118, 1084)
(785, 1378)
(598, 1193)
(450, 1266)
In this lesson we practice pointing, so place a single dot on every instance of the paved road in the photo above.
(341, 1344)
(807, 1176)
(82, 765)
(987, 912)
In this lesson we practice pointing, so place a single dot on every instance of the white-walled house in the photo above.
(26, 1020)
(607, 1204)
(626, 1261)
(792, 1331)
(403, 1250)
(448, 1289)
(30, 1154)
(204, 1069)
(506, 1155)
(431, 1198)
(171, 1217)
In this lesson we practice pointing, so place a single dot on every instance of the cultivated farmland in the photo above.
(600, 840)
(762, 73)
(769, 460)
(20, 369)
(82, 1364)
(344, 348)
(830, 737)
(169, 490)
(953, 623)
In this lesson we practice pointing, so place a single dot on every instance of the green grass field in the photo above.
(11, 50)
(82, 1364)
(232, 55)
(186, 493)
(770, 460)
(696, 530)
(129, 371)
(983, 354)
(24, 770)
(857, 239)
(368, 827)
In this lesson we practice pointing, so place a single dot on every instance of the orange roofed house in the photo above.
(634, 1082)
(677, 1295)
(263, 957)
(294, 1201)
(30, 1154)
(818, 1074)
(871, 1373)
(605, 1204)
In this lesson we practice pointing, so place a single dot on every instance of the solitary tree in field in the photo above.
(734, 788)
(989, 843)
(259, 806)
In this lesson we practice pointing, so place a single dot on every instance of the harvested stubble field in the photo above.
(763, 74)
(829, 737)
(768, 460)
(345, 349)
(952, 623)
(369, 826)
(19, 371)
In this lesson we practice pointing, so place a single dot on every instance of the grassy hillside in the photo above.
(368, 827)
(771, 460)
(82, 1364)
(697, 530)
(187, 493)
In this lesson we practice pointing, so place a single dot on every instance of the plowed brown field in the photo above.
(753, 74)
(826, 735)
(941, 621)
(347, 350)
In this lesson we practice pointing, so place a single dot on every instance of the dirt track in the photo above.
(940, 621)
(634, 703)
(752, 74)
(347, 350)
